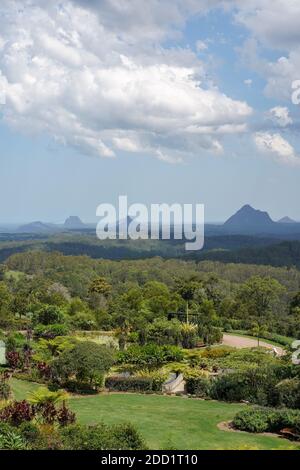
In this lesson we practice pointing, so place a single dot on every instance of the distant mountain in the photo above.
(74, 222)
(122, 225)
(35, 227)
(287, 220)
(251, 219)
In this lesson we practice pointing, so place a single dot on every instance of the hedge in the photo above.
(129, 384)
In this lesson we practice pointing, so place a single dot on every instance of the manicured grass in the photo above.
(167, 422)
(173, 422)
(21, 388)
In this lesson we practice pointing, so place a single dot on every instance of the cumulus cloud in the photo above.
(273, 24)
(277, 147)
(80, 72)
(265, 19)
(280, 115)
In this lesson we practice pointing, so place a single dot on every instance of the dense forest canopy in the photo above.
(107, 294)
(260, 250)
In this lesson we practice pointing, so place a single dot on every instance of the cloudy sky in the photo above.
(162, 100)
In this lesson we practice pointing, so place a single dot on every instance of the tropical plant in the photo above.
(17, 412)
(12, 441)
(43, 396)
(189, 335)
(259, 331)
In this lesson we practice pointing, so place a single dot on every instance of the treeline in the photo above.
(140, 296)
(225, 248)
(77, 271)
(286, 253)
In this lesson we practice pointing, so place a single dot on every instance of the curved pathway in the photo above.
(243, 342)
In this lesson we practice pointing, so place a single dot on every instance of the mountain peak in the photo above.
(248, 217)
(34, 227)
(73, 222)
(286, 220)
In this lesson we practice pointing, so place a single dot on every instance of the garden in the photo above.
(98, 359)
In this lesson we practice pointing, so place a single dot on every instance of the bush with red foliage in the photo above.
(17, 413)
(14, 359)
(65, 416)
(44, 370)
(47, 412)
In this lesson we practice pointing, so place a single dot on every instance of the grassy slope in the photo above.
(167, 422)
(21, 388)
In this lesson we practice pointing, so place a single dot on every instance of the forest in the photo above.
(104, 294)
(76, 326)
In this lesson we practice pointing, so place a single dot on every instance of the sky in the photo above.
(164, 101)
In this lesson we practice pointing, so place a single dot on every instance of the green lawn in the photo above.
(21, 388)
(167, 422)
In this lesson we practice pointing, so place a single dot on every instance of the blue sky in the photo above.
(167, 105)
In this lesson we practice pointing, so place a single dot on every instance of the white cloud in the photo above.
(280, 116)
(248, 81)
(273, 24)
(80, 72)
(201, 46)
(276, 146)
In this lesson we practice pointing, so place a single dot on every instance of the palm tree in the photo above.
(43, 396)
(122, 334)
(259, 331)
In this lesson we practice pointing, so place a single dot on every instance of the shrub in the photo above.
(198, 385)
(82, 321)
(129, 384)
(83, 388)
(29, 431)
(49, 439)
(86, 363)
(17, 412)
(158, 378)
(150, 355)
(102, 437)
(127, 436)
(44, 370)
(51, 331)
(14, 341)
(161, 331)
(48, 315)
(10, 439)
(289, 393)
(267, 420)
(251, 420)
(13, 359)
(256, 385)
(64, 416)
(218, 352)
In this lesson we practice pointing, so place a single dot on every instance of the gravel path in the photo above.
(241, 342)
